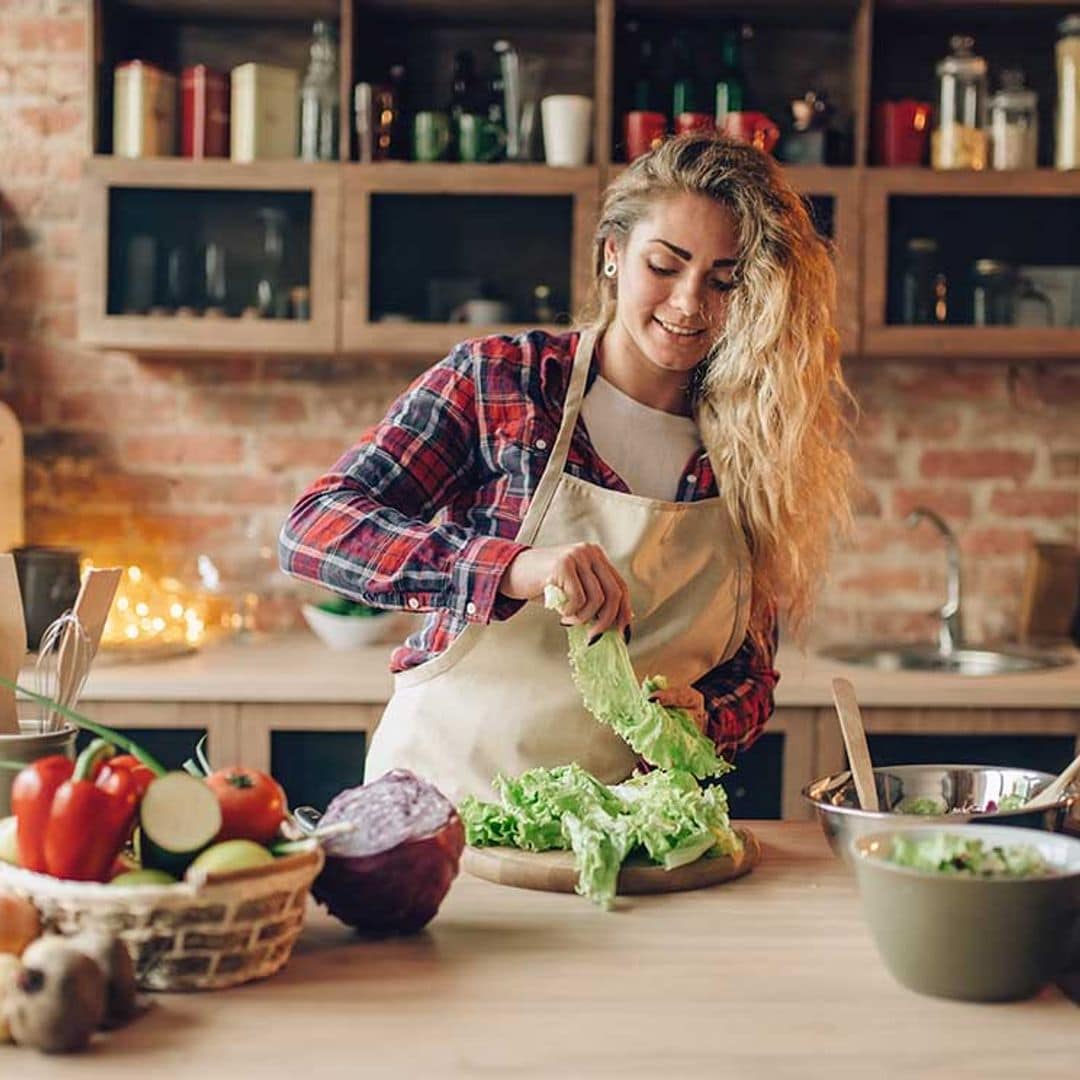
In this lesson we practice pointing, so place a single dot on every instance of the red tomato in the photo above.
(252, 804)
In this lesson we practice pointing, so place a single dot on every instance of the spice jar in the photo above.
(1014, 124)
(923, 285)
(960, 139)
(993, 293)
(1067, 149)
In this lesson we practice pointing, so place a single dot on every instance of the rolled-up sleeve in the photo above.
(370, 528)
(739, 693)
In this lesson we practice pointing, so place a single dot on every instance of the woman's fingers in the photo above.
(568, 579)
(595, 591)
(684, 697)
(609, 612)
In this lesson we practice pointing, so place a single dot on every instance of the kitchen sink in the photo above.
(959, 661)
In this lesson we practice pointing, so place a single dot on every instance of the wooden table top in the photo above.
(772, 975)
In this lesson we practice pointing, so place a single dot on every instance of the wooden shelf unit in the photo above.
(883, 339)
(194, 334)
(362, 182)
(341, 230)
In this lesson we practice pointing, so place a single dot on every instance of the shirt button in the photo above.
(413, 602)
(470, 608)
(541, 444)
(691, 479)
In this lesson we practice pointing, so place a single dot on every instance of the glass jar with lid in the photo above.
(993, 293)
(1067, 50)
(924, 296)
(960, 139)
(1014, 124)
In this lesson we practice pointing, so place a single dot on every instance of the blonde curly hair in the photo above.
(770, 399)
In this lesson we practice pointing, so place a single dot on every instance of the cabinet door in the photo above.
(754, 789)
(1048, 753)
(171, 730)
(313, 766)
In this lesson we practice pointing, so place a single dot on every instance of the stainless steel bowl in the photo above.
(968, 793)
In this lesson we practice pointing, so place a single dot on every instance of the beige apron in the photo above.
(501, 699)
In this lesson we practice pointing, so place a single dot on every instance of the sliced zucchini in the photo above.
(179, 817)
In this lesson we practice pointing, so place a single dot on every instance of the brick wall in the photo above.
(157, 461)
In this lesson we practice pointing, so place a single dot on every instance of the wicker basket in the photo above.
(204, 934)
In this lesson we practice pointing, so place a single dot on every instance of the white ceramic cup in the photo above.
(567, 128)
(482, 312)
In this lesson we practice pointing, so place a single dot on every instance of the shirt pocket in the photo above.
(522, 448)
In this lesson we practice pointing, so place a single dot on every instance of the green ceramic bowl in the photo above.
(977, 939)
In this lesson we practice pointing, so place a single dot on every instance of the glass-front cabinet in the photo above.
(208, 257)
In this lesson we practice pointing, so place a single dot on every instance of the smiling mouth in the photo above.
(678, 331)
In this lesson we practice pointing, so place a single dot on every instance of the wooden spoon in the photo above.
(12, 642)
(1043, 800)
(851, 727)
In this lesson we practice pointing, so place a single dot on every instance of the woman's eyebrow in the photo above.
(686, 256)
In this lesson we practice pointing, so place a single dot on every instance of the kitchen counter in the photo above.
(299, 668)
(773, 975)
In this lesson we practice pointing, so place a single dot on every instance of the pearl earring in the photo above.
(609, 269)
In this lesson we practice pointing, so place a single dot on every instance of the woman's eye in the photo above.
(663, 271)
(722, 286)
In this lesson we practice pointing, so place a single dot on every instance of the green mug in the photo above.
(479, 139)
(431, 136)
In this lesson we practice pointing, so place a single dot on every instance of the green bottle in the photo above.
(684, 96)
(730, 85)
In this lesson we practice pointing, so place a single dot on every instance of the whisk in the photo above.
(63, 662)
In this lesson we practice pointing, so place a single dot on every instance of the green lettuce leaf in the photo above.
(665, 816)
(664, 737)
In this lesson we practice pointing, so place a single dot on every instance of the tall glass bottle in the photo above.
(643, 90)
(730, 89)
(319, 97)
(463, 94)
(684, 89)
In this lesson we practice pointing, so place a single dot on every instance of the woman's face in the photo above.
(673, 279)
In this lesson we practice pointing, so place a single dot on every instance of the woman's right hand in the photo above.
(595, 591)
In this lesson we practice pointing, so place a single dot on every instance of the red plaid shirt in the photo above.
(422, 512)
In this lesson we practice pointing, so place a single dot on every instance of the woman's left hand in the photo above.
(684, 697)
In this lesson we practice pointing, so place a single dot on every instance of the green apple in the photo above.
(143, 877)
(230, 856)
(9, 851)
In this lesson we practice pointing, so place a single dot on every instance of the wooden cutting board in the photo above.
(553, 871)
(11, 480)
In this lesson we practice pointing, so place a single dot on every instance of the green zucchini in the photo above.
(179, 817)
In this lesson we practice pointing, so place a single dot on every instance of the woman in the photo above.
(676, 467)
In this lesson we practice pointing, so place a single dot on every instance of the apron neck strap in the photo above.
(556, 462)
(575, 395)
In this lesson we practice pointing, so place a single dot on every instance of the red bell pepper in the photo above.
(141, 774)
(32, 794)
(91, 817)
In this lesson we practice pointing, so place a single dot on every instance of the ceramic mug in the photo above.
(481, 312)
(754, 128)
(694, 121)
(643, 131)
(901, 132)
(567, 120)
(431, 136)
(49, 579)
(479, 139)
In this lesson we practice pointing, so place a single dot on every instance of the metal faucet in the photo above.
(951, 630)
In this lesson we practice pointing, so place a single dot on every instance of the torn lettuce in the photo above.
(665, 816)
(664, 737)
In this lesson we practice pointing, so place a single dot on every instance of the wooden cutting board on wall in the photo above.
(11, 480)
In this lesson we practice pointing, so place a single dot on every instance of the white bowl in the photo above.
(346, 631)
